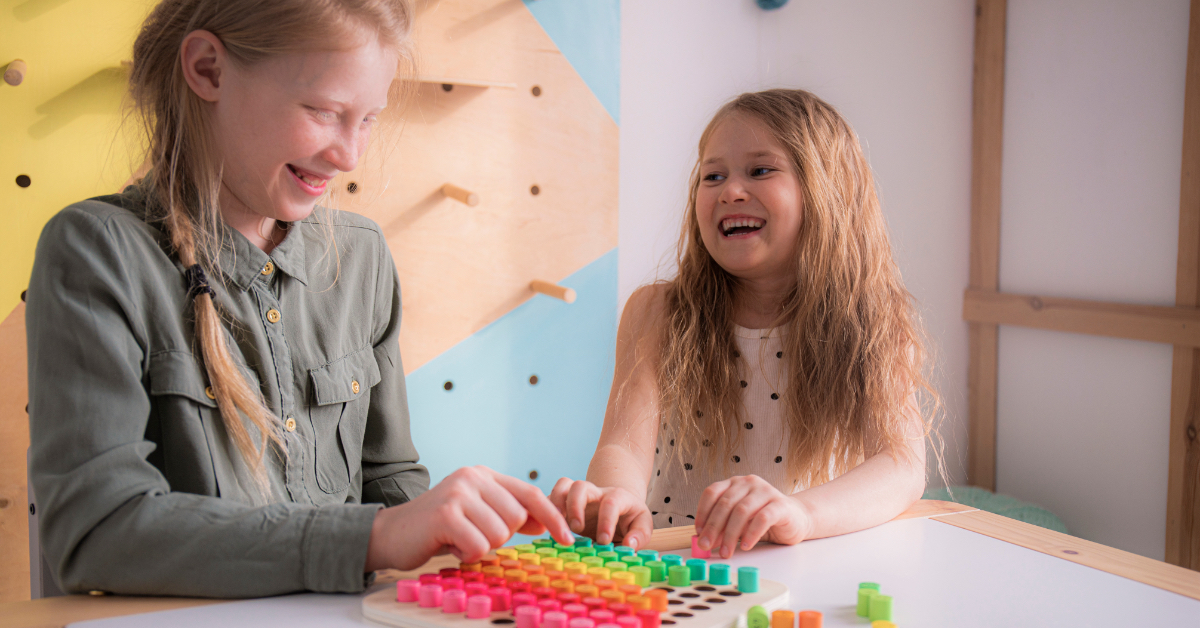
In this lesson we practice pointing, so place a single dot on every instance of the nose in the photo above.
(733, 191)
(344, 149)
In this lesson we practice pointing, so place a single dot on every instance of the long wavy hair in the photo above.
(184, 180)
(853, 345)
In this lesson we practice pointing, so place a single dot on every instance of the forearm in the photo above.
(872, 493)
(617, 466)
(184, 544)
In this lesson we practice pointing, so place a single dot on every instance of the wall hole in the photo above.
(352, 187)
(446, 87)
(533, 380)
(536, 91)
(533, 475)
(535, 190)
(448, 385)
(23, 180)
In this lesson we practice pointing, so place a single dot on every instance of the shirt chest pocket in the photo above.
(341, 398)
(181, 423)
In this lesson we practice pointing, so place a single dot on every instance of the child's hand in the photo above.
(748, 508)
(610, 510)
(467, 514)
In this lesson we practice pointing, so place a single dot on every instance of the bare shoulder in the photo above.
(645, 310)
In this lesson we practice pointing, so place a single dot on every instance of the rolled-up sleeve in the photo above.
(109, 519)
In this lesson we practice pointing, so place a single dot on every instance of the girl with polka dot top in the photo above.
(773, 389)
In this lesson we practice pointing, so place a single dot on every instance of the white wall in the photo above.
(1090, 209)
(900, 72)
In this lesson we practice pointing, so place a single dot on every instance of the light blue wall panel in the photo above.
(493, 416)
(588, 33)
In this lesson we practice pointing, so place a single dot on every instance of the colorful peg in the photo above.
(696, 551)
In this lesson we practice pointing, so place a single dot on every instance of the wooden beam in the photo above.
(14, 441)
(1183, 466)
(987, 135)
(1170, 325)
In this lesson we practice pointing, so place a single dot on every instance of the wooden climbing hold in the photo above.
(14, 73)
(552, 290)
(460, 194)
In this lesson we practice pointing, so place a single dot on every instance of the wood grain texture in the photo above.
(462, 267)
(1171, 325)
(1183, 466)
(14, 441)
(987, 144)
(1107, 559)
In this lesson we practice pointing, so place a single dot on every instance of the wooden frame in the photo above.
(985, 307)
(987, 145)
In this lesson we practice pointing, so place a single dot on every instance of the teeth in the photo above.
(313, 181)
(733, 223)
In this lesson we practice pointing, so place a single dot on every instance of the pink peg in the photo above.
(554, 619)
(475, 588)
(454, 601)
(602, 616)
(696, 551)
(479, 607)
(575, 610)
(649, 618)
(528, 616)
(524, 599)
(430, 596)
(549, 605)
(629, 621)
(452, 583)
(582, 622)
(450, 572)
(406, 590)
(607, 626)
(501, 598)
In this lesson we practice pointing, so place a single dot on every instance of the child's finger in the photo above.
(612, 506)
(582, 493)
(763, 520)
(558, 495)
(495, 526)
(708, 499)
(718, 516)
(638, 526)
(503, 502)
(538, 507)
(739, 517)
(464, 539)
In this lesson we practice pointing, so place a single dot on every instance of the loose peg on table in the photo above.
(552, 290)
(14, 72)
(461, 195)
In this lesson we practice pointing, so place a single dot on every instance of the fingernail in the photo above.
(632, 542)
(725, 551)
(576, 525)
(704, 543)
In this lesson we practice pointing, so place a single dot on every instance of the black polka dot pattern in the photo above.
(778, 459)
(779, 354)
(687, 466)
(749, 425)
(691, 516)
(666, 500)
(656, 450)
(707, 443)
(672, 442)
(775, 396)
(737, 458)
(654, 512)
(744, 384)
(670, 520)
(659, 472)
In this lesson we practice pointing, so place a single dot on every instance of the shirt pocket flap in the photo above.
(178, 373)
(346, 379)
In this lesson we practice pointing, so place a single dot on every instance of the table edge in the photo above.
(1087, 553)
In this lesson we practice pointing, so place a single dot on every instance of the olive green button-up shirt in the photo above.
(138, 487)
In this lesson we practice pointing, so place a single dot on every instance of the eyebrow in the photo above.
(761, 153)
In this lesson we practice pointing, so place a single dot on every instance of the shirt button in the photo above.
(209, 393)
(354, 386)
(273, 315)
(269, 268)
(290, 424)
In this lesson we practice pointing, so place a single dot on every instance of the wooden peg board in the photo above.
(463, 267)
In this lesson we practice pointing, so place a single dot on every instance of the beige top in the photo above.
(675, 487)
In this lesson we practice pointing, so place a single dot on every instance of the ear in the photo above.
(204, 58)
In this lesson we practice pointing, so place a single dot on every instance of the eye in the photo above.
(369, 121)
(761, 171)
(714, 176)
(324, 115)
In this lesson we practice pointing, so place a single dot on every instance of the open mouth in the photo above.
(314, 183)
(733, 227)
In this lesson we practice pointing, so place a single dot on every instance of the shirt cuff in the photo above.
(335, 547)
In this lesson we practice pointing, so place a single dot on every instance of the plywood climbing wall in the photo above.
(519, 106)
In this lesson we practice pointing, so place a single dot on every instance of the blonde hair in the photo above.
(852, 342)
(184, 181)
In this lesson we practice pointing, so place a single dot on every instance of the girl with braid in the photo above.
(773, 389)
(217, 402)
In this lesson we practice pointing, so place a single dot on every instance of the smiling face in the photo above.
(283, 127)
(749, 203)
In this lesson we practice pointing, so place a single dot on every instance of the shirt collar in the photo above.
(242, 262)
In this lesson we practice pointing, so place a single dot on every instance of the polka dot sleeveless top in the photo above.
(675, 486)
